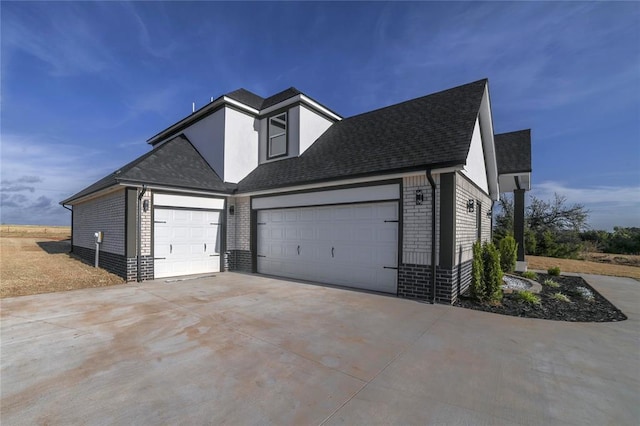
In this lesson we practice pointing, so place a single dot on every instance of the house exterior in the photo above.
(391, 200)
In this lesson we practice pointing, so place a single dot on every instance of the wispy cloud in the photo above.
(523, 48)
(62, 38)
(38, 172)
(19, 185)
(158, 47)
(608, 206)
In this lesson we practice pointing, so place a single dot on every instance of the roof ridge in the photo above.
(198, 152)
(143, 157)
(484, 80)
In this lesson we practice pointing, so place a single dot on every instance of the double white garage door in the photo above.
(353, 245)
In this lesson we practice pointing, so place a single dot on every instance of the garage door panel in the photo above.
(276, 216)
(324, 214)
(307, 215)
(181, 216)
(323, 232)
(162, 215)
(342, 213)
(385, 234)
(346, 245)
(307, 233)
(291, 234)
(387, 212)
(186, 242)
(291, 216)
(364, 212)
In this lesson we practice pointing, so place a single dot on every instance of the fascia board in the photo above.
(319, 107)
(347, 182)
(91, 196)
(158, 137)
(485, 117)
(173, 189)
(240, 105)
(300, 98)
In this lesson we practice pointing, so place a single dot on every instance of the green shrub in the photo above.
(530, 274)
(551, 283)
(508, 253)
(492, 272)
(561, 297)
(528, 297)
(554, 271)
(477, 271)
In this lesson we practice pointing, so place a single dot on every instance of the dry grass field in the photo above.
(605, 264)
(36, 231)
(33, 264)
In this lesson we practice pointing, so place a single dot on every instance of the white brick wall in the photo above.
(239, 225)
(416, 232)
(466, 227)
(146, 226)
(106, 214)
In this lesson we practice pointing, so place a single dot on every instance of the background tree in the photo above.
(552, 228)
(624, 240)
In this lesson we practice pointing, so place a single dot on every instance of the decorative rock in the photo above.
(512, 283)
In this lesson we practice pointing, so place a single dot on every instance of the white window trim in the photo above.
(270, 137)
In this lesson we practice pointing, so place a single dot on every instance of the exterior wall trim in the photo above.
(301, 203)
(356, 181)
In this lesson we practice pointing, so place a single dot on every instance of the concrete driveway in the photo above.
(243, 349)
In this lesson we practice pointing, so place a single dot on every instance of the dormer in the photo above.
(241, 130)
(290, 122)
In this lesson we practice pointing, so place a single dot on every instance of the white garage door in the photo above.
(349, 245)
(186, 242)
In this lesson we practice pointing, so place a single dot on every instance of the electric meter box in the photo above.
(99, 236)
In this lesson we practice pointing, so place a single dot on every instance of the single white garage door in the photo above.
(348, 245)
(186, 242)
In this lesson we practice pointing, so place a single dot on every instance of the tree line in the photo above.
(557, 229)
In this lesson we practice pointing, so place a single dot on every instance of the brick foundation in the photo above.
(114, 263)
(414, 282)
(146, 268)
(239, 260)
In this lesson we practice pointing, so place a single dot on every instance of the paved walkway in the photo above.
(243, 349)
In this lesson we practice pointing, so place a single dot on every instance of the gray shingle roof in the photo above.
(247, 98)
(175, 163)
(279, 97)
(258, 102)
(513, 152)
(430, 131)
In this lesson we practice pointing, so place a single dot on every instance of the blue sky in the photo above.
(84, 85)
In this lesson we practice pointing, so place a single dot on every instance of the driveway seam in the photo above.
(235, 330)
(381, 370)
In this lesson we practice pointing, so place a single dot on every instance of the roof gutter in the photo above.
(71, 210)
(433, 235)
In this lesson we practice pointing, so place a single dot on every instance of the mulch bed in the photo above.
(578, 309)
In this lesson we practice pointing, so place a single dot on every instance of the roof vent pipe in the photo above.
(193, 107)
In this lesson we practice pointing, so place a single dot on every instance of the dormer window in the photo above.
(277, 138)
